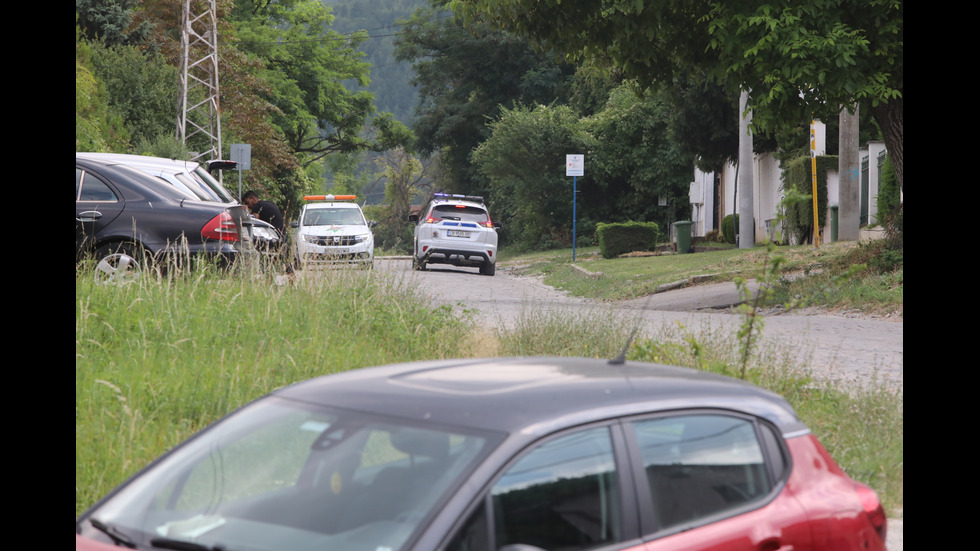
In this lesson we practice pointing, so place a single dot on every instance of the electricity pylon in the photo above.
(200, 110)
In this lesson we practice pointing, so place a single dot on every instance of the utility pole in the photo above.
(200, 111)
(746, 178)
(849, 169)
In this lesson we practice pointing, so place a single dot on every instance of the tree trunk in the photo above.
(889, 117)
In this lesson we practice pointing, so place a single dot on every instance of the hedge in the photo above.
(626, 237)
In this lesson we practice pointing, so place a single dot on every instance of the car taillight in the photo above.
(221, 227)
(872, 507)
(488, 223)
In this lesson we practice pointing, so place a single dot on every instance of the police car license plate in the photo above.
(457, 233)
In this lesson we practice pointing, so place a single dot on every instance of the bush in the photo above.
(714, 236)
(621, 238)
(728, 225)
(889, 193)
(798, 176)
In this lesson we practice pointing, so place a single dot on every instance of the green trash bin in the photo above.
(683, 230)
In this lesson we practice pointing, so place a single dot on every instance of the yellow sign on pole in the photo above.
(813, 178)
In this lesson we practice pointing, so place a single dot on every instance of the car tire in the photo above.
(417, 263)
(119, 263)
(488, 268)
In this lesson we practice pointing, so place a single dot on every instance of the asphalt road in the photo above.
(849, 348)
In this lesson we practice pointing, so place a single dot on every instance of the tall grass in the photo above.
(159, 359)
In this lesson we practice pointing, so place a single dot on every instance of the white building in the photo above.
(714, 196)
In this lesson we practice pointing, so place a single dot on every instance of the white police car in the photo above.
(457, 230)
(332, 230)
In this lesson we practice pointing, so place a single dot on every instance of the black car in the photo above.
(197, 183)
(125, 218)
(497, 454)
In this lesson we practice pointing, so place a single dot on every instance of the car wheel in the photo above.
(488, 268)
(417, 263)
(117, 263)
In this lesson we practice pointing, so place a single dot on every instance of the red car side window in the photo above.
(700, 465)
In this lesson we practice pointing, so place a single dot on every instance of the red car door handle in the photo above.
(772, 544)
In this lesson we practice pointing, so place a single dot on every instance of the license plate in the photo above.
(457, 233)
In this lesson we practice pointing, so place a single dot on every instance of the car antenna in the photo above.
(621, 359)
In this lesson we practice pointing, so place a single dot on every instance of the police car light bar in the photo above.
(330, 197)
(458, 196)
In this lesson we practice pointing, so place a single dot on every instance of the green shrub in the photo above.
(798, 175)
(728, 225)
(714, 236)
(889, 193)
(620, 238)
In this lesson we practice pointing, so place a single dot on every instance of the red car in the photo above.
(512, 454)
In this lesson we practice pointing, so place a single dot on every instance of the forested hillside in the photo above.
(390, 79)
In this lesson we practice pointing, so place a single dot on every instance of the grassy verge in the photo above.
(155, 361)
(812, 274)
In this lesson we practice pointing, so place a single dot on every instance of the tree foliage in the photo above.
(97, 127)
(306, 64)
(639, 172)
(141, 87)
(111, 22)
(798, 59)
(523, 161)
(465, 77)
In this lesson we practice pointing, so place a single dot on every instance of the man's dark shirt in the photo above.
(267, 211)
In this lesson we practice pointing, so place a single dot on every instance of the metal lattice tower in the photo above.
(200, 111)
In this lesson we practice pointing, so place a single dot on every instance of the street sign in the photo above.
(241, 153)
(574, 165)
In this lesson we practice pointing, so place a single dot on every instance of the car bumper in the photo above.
(314, 254)
(457, 256)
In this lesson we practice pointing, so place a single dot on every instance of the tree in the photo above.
(465, 77)
(111, 22)
(307, 64)
(404, 177)
(634, 164)
(798, 58)
(141, 87)
(523, 160)
(97, 127)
